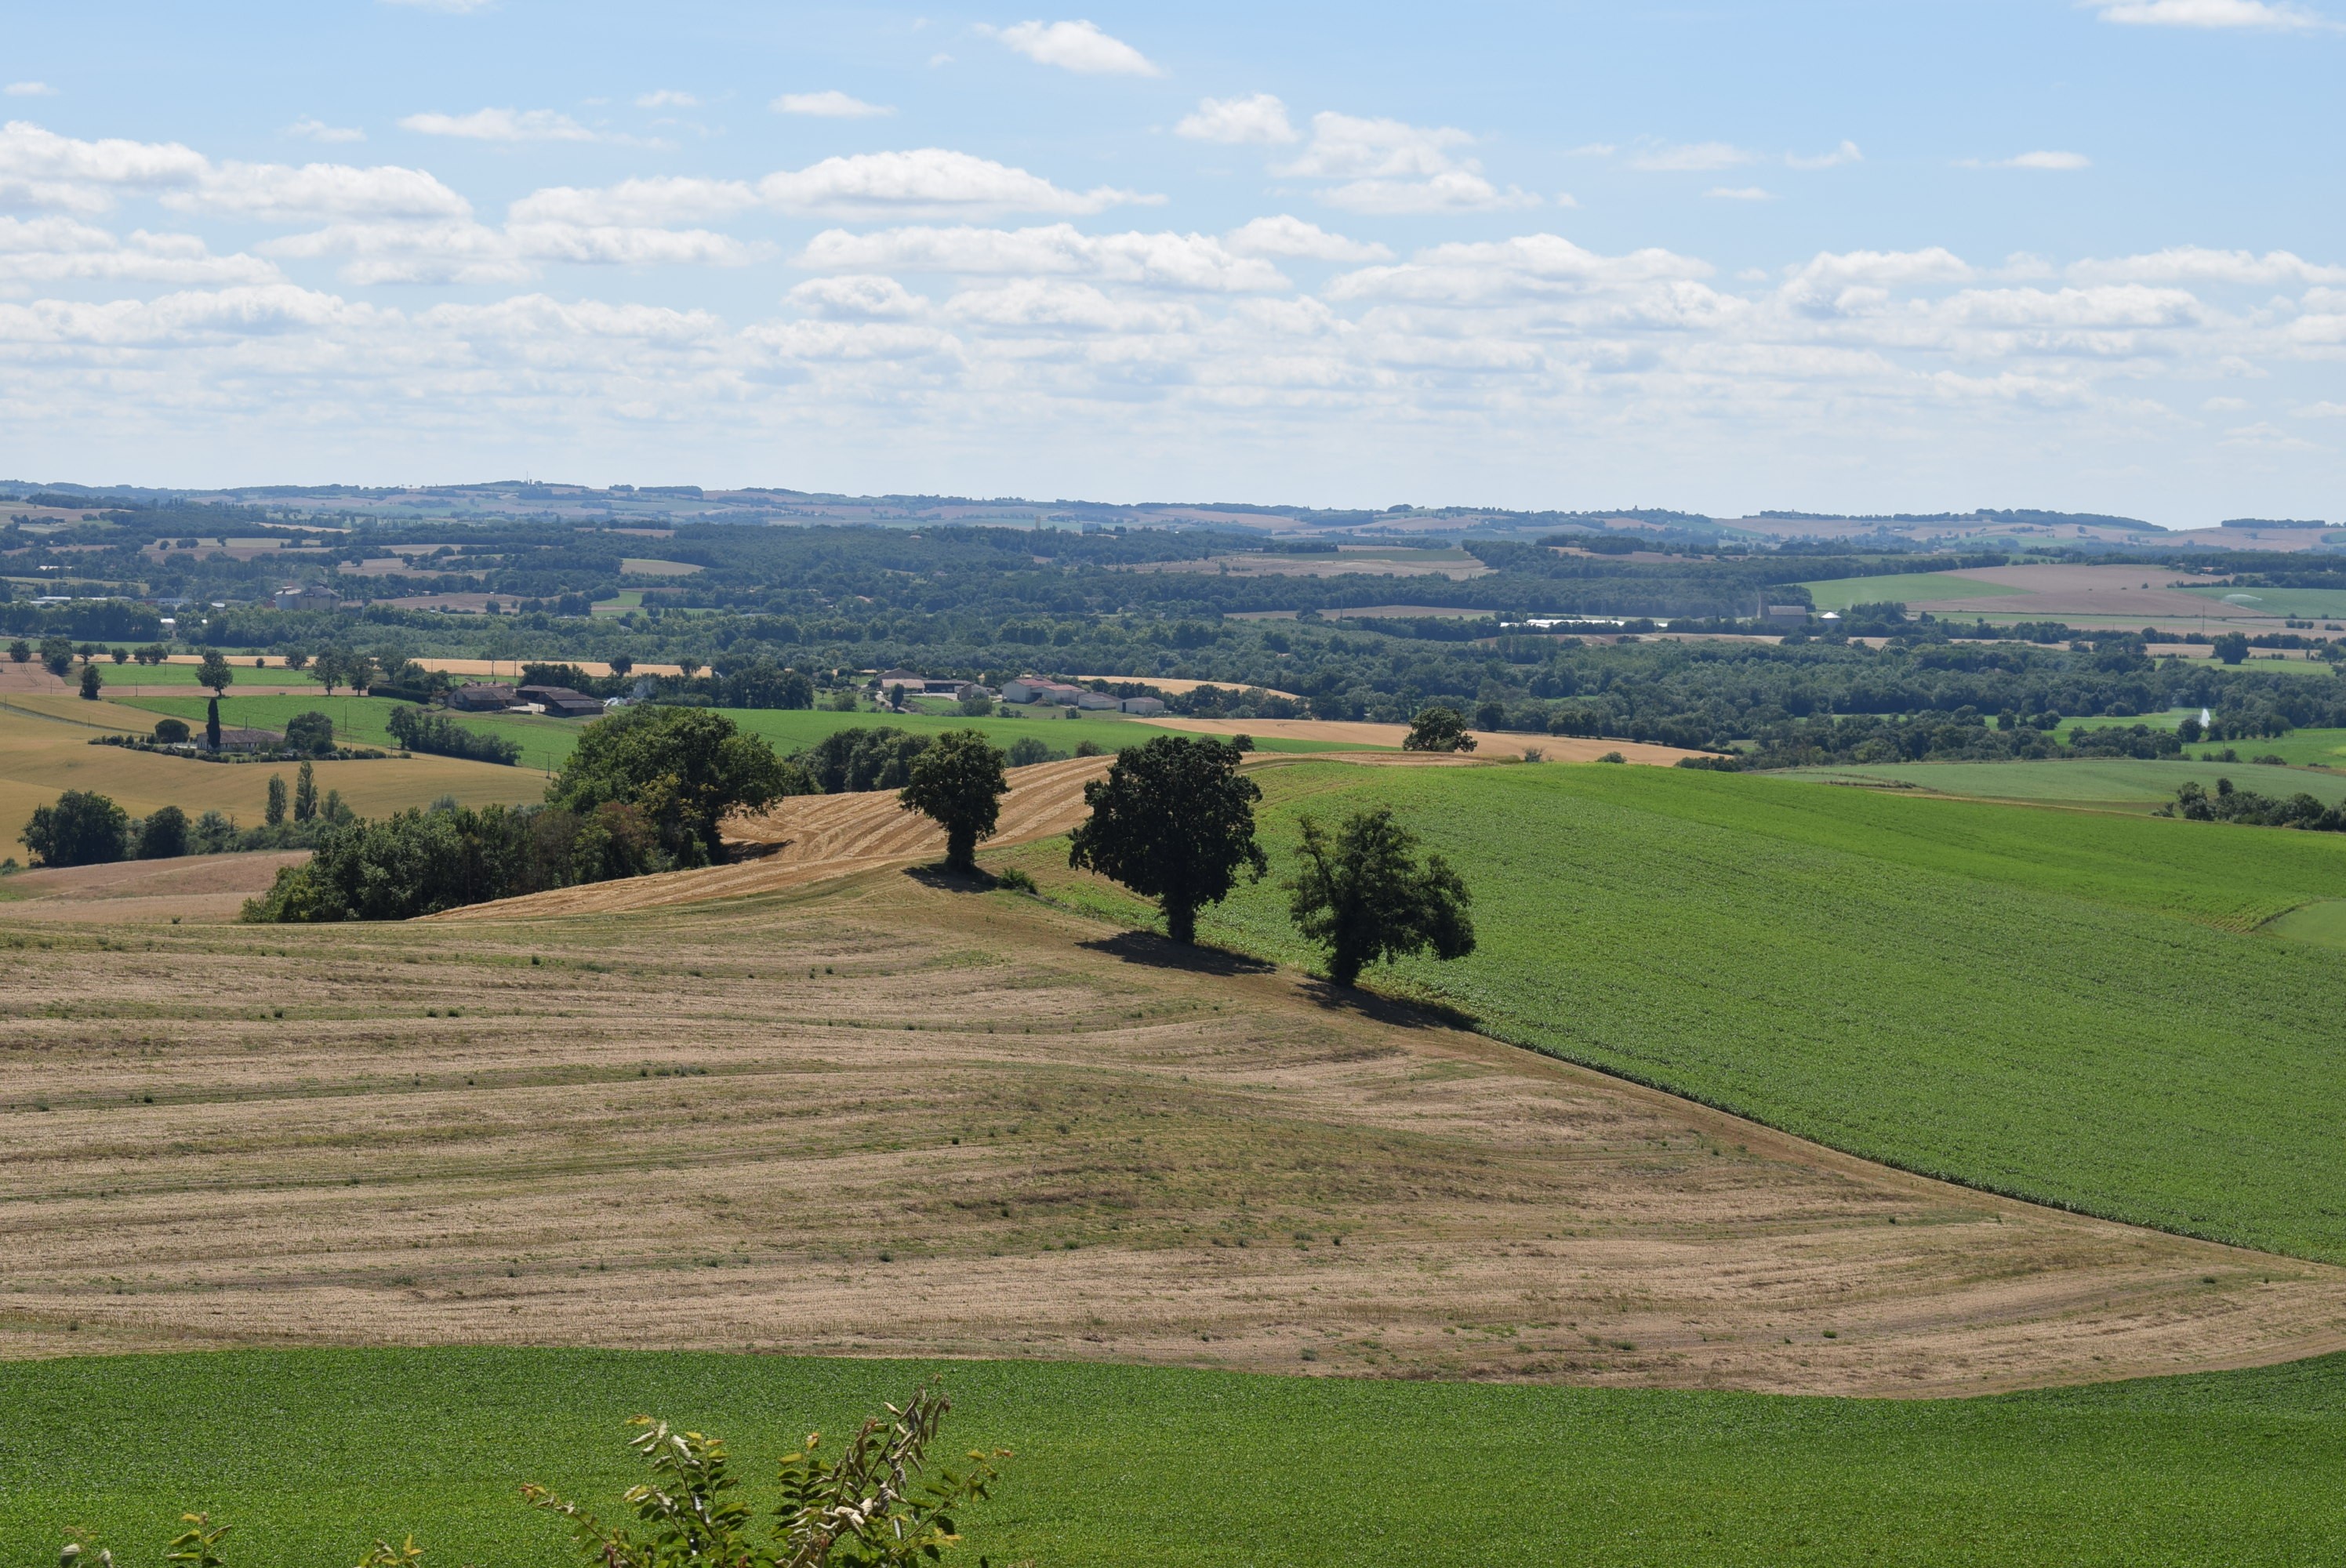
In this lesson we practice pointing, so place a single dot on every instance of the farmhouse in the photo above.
(1034, 689)
(562, 702)
(308, 596)
(481, 698)
(235, 738)
(1142, 705)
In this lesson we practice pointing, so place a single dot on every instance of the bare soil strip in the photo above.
(891, 1115)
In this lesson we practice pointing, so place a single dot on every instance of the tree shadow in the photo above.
(1386, 1010)
(947, 880)
(1159, 952)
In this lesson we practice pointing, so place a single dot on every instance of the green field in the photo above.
(1840, 593)
(2323, 923)
(2070, 1007)
(2301, 604)
(2121, 782)
(546, 743)
(313, 1454)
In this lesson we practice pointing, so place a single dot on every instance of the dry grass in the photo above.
(888, 1115)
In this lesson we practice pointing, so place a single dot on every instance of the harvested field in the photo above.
(2138, 595)
(818, 838)
(189, 888)
(887, 1115)
(45, 749)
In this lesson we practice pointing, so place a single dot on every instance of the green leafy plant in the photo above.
(1438, 729)
(198, 1545)
(876, 1505)
(958, 782)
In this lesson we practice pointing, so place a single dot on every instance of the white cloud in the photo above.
(668, 99)
(661, 200)
(1700, 158)
(1183, 261)
(458, 252)
(276, 192)
(1053, 305)
(1529, 265)
(623, 245)
(311, 129)
(1845, 153)
(59, 250)
(1260, 120)
(39, 168)
(1077, 46)
(1453, 190)
(1345, 147)
(2051, 162)
(862, 298)
(1741, 193)
(29, 90)
(2190, 263)
(2255, 15)
(928, 180)
(2321, 411)
(830, 104)
(1292, 236)
(500, 125)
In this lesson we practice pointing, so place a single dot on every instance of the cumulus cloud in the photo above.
(39, 168)
(311, 129)
(1054, 306)
(1077, 46)
(2255, 15)
(58, 249)
(928, 180)
(1345, 147)
(1261, 119)
(660, 201)
(1845, 153)
(2190, 263)
(29, 90)
(1293, 238)
(457, 251)
(1452, 190)
(500, 125)
(830, 104)
(276, 192)
(861, 298)
(1698, 158)
(1161, 260)
(2043, 161)
(1528, 265)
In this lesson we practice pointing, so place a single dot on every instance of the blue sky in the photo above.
(1844, 257)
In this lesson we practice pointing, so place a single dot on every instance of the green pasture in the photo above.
(1905, 587)
(2323, 922)
(2070, 1007)
(2121, 782)
(313, 1454)
(546, 743)
(2300, 604)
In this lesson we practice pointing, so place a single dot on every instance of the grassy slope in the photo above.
(2316, 602)
(313, 1454)
(2064, 1006)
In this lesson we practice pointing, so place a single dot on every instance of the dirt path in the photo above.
(883, 1115)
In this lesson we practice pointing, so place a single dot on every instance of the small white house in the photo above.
(1142, 705)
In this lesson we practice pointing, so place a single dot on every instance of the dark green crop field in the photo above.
(2069, 1007)
(311, 1454)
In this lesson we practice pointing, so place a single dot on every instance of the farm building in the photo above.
(1785, 614)
(308, 596)
(561, 702)
(1142, 705)
(235, 739)
(481, 698)
(1034, 689)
